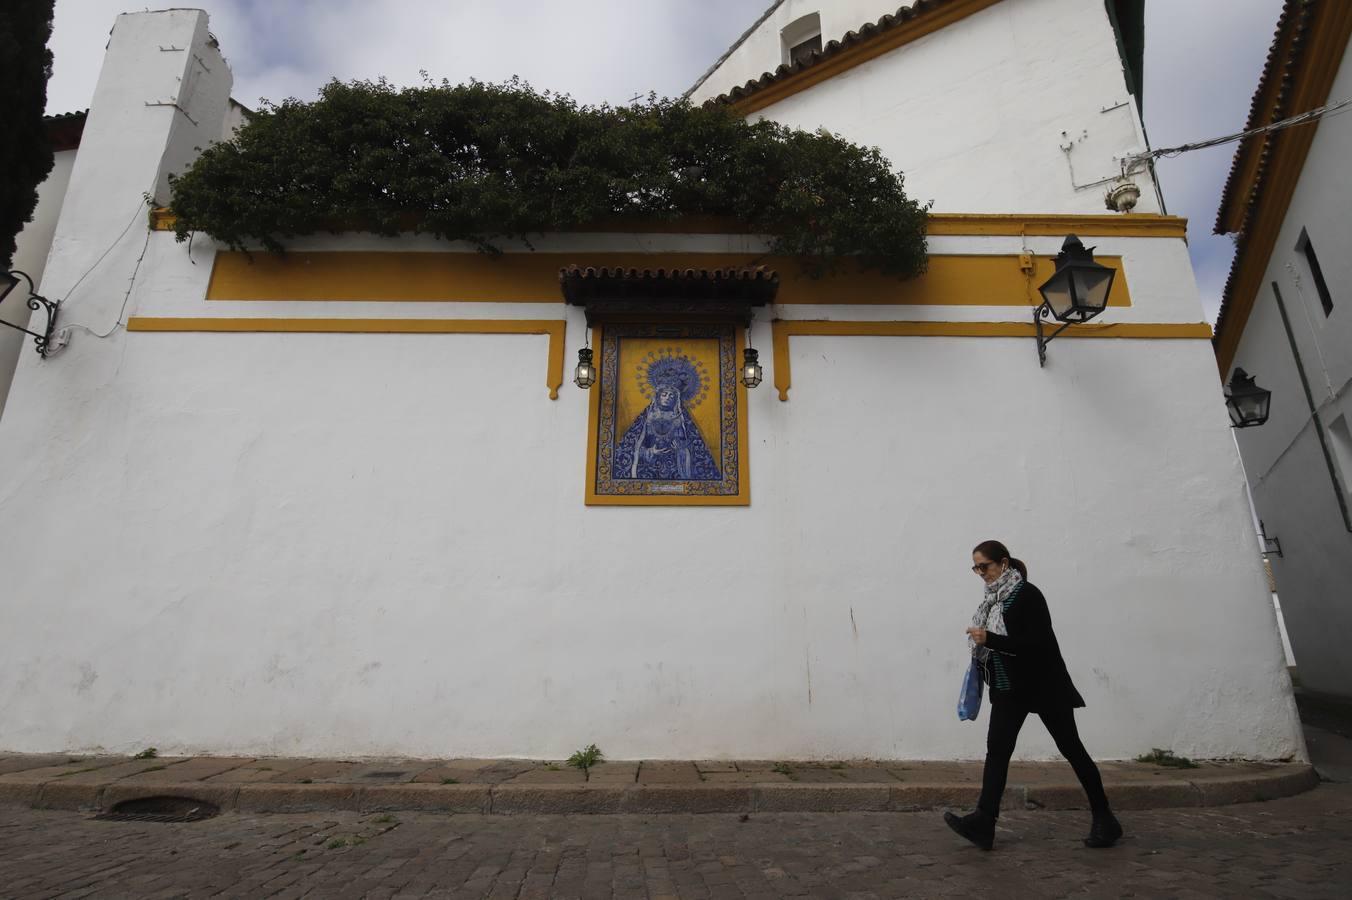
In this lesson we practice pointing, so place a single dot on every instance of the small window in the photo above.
(803, 52)
(1316, 274)
(801, 38)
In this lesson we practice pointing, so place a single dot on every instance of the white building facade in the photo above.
(1287, 322)
(335, 514)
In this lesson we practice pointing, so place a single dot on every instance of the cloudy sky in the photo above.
(1203, 58)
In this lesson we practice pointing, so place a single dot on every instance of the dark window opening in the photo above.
(1316, 273)
(801, 53)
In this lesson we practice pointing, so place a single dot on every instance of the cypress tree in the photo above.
(25, 154)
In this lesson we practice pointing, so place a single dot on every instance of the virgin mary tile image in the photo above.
(667, 418)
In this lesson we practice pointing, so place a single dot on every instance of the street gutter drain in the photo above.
(160, 809)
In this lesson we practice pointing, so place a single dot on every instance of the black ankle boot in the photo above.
(1104, 832)
(978, 827)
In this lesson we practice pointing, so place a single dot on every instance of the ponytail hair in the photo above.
(998, 552)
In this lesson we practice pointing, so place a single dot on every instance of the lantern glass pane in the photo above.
(1236, 419)
(1253, 407)
(1057, 293)
(1092, 283)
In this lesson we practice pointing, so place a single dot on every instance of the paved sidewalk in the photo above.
(483, 786)
(1290, 848)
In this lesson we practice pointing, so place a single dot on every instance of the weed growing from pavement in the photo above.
(147, 753)
(1158, 757)
(585, 758)
(450, 781)
(786, 770)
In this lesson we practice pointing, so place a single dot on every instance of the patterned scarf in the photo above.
(990, 615)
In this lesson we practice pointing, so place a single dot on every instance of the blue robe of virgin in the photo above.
(664, 445)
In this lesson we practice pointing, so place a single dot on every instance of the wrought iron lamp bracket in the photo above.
(1038, 315)
(35, 301)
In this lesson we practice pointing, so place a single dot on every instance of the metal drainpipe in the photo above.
(1314, 412)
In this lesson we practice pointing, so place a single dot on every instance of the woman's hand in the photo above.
(978, 636)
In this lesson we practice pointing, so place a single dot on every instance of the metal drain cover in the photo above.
(160, 809)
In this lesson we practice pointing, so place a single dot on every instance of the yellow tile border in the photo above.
(783, 329)
(554, 328)
(741, 498)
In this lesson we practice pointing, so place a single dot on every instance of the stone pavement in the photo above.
(479, 786)
(1289, 848)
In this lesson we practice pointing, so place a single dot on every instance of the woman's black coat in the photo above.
(1031, 656)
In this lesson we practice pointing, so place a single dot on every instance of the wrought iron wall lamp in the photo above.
(35, 301)
(1075, 294)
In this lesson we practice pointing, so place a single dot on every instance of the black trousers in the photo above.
(1006, 720)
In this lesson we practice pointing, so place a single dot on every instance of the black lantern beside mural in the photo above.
(584, 376)
(42, 339)
(1075, 294)
(752, 374)
(1247, 403)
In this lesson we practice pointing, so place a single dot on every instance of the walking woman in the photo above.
(1012, 639)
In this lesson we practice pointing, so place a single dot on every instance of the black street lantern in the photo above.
(1075, 294)
(752, 374)
(584, 376)
(8, 282)
(1246, 402)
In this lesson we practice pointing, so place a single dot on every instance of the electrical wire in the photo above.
(131, 284)
(1327, 109)
(125, 297)
(117, 240)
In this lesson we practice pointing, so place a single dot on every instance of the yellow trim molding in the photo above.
(952, 280)
(861, 52)
(741, 498)
(1032, 225)
(783, 329)
(555, 329)
(1049, 225)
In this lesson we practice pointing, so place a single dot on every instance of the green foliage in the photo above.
(1158, 757)
(25, 155)
(586, 758)
(147, 753)
(483, 162)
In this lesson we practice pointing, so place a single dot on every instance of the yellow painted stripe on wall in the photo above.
(783, 329)
(554, 328)
(952, 280)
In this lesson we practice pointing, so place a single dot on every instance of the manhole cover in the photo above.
(160, 809)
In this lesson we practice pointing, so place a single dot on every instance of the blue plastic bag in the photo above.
(969, 701)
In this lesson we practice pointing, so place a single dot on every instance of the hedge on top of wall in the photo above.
(481, 162)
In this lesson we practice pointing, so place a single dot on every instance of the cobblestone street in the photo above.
(1294, 847)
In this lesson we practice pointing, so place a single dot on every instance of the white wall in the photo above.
(1292, 488)
(977, 114)
(377, 544)
(30, 257)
